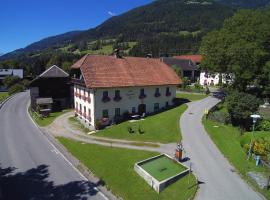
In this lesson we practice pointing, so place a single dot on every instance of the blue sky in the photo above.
(25, 21)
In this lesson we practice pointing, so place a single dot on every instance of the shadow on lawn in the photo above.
(33, 184)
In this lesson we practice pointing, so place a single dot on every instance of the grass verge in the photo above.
(115, 166)
(162, 127)
(48, 120)
(191, 97)
(3, 96)
(227, 139)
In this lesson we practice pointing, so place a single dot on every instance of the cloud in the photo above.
(111, 13)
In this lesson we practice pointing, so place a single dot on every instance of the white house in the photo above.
(214, 78)
(107, 87)
(9, 72)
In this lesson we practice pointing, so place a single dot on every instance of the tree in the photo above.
(11, 80)
(240, 106)
(241, 47)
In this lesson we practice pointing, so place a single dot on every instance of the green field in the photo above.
(3, 96)
(191, 97)
(162, 168)
(48, 120)
(162, 127)
(115, 166)
(228, 139)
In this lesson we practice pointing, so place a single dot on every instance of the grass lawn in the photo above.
(227, 139)
(48, 120)
(3, 95)
(115, 166)
(163, 168)
(190, 97)
(78, 125)
(162, 127)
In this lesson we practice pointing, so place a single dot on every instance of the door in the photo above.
(141, 109)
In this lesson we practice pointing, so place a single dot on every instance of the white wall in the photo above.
(130, 98)
(89, 105)
(208, 78)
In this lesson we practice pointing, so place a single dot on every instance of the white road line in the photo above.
(56, 150)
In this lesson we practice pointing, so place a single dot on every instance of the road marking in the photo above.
(62, 155)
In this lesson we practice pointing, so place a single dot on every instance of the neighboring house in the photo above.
(214, 78)
(188, 68)
(9, 72)
(108, 87)
(51, 90)
(204, 77)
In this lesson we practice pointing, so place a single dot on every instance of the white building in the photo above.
(108, 87)
(9, 72)
(214, 78)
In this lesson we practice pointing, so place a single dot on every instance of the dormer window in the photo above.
(168, 93)
(142, 94)
(157, 93)
(105, 97)
(117, 96)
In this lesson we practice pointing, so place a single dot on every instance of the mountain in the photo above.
(245, 3)
(161, 27)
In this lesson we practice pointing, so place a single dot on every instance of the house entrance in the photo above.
(141, 109)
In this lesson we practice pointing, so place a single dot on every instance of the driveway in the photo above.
(30, 166)
(218, 181)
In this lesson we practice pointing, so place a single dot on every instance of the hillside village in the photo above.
(150, 104)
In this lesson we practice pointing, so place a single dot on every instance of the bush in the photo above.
(207, 91)
(264, 125)
(198, 87)
(221, 117)
(16, 88)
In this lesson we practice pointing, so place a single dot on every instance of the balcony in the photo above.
(106, 99)
(117, 98)
(168, 94)
(157, 94)
(76, 81)
(142, 96)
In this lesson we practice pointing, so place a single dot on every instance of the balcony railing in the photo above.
(106, 99)
(77, 81)
(157, 94)
(168, 94)
(117, 98)
(142, 96)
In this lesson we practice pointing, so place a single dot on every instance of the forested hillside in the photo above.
(163, 27)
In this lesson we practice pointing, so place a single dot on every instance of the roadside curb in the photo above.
(87, 174)
(6, 100)
(83, 171)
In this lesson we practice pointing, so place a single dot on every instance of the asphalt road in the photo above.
(217, 177)
(30, 167)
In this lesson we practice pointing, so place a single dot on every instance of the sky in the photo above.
(23, 22)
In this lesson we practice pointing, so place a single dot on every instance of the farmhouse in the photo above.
(108, 87)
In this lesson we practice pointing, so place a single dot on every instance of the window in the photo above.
(84, 110)
(142, 94)
(157, 94)
(168, 93)
(156, 107)
(105, 94)
(133, 110)
(105, 97)
(117, 112)
(167, 104)
(105, 114)
(80, 108)
(117, 96)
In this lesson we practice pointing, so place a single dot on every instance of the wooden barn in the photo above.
(51, 91)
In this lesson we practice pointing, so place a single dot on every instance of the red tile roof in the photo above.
(194, 58)
(107, 71)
